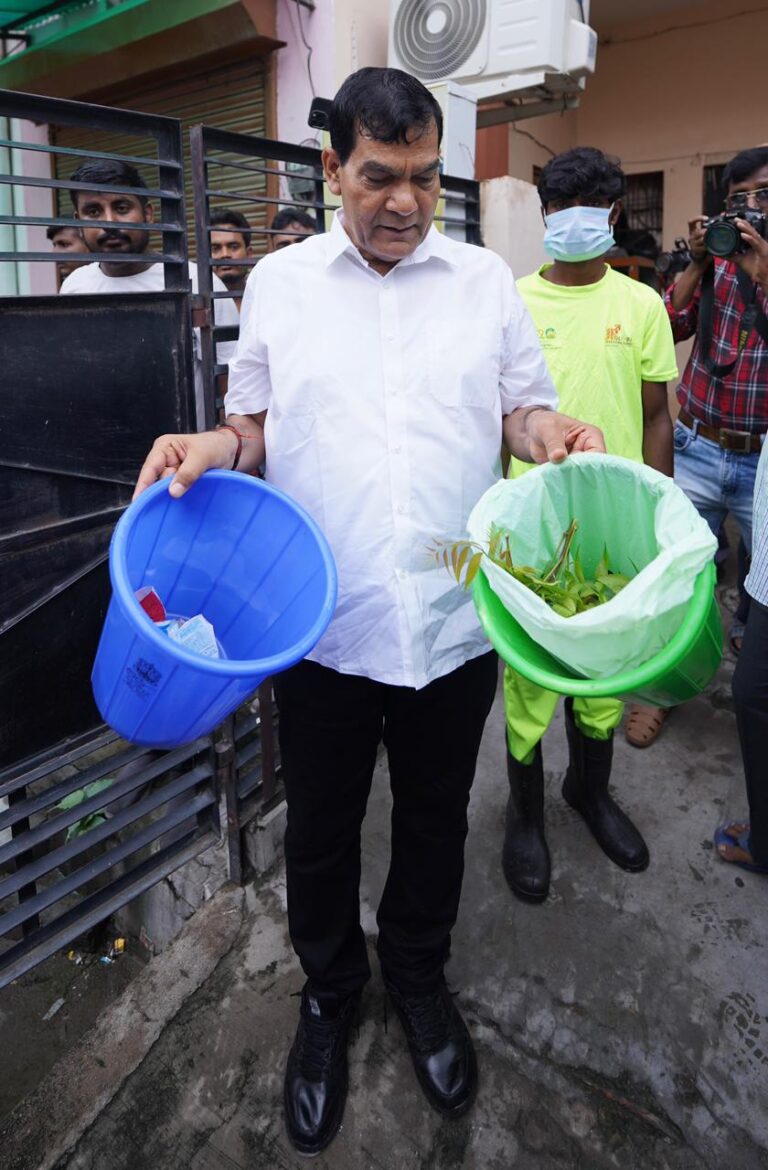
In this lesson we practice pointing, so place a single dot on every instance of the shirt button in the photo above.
(401, 508)
(396, 450)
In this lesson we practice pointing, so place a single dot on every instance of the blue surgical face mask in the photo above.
(578, 233)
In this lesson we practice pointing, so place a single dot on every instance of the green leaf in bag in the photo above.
(562, 583)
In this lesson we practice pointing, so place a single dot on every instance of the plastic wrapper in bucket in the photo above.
(235, 550)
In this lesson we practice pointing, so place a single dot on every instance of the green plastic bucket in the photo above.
(678, 672)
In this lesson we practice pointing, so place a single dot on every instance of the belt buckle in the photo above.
(742, 448)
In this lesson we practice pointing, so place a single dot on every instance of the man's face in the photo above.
(389, 192)
(68, 243)
(118, 210)
(226, 245)
(295, 233)
(752, 193)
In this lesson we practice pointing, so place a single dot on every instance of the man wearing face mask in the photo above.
(608, 345)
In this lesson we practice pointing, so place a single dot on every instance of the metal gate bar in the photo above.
(169, 189)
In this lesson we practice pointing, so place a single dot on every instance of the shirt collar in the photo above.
(434, 246)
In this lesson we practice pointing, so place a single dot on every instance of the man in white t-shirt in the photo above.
(122, 210)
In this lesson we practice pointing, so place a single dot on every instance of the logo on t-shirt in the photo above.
(615, 335)
(548, 337)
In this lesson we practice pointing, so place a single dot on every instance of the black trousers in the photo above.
(331, 725)
(750, 697)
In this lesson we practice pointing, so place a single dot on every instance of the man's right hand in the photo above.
(696, 230)
(186, 457)
(685, 287)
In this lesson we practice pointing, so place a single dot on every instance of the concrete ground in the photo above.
(621, 1024)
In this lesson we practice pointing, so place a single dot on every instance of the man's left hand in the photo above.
(755, 260)
(552, 436)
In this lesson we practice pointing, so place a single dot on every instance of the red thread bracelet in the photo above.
(239, 436)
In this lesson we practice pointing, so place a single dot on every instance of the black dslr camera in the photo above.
(668, 264)
(722, 236)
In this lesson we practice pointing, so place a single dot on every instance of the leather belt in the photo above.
(742, 442)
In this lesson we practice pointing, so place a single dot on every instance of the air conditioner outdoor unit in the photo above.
(495, 47)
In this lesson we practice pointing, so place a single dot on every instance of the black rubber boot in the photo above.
(525, 856)
(585, 789)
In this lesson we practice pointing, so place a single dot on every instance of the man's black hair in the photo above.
(746, 163)
(581, 173)
(225, 217)
(110, 173)
(385, 104)
(288, 215)
(54, 229)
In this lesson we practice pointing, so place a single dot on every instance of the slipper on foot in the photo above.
(644, 725)
(724, 839)
(736, 635)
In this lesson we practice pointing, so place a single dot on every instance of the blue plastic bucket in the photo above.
(234, 549)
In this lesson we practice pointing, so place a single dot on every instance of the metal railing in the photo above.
(60, 874)
(216, 156)
(167, 164)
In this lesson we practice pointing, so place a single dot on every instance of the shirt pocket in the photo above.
(464, 361)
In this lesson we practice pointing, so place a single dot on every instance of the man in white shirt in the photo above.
(122, 210)
(383, 415)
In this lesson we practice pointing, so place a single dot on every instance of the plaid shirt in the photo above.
(740, 400)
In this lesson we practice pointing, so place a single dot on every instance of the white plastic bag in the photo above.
(652, 534)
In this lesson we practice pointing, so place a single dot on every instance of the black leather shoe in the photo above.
(525, 855)
(441, 1048)
(316, 1074)
(585, 789)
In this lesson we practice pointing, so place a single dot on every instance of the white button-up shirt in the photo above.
(385, 396)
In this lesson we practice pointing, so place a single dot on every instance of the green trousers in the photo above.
(529, 710)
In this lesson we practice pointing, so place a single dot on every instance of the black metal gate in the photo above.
(88, 822)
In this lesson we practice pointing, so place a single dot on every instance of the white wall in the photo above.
(512, 224)
(361, 35)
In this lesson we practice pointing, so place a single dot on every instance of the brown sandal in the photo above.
(644, 725)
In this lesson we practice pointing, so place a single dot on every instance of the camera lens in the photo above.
(722, 238)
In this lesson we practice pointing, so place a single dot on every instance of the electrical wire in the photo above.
(661, 32)
(534, 139)
(307, 46)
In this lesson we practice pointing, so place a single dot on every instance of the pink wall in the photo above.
(36, 201)
(294, 92)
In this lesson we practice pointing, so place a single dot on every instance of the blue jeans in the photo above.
(715, 481)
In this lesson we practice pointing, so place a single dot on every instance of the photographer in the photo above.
(722, 395)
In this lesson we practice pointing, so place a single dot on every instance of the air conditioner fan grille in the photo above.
(436, 52)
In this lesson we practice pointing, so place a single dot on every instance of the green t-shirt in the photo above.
(601, 342)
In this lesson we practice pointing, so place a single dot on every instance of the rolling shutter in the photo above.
(230, 98)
